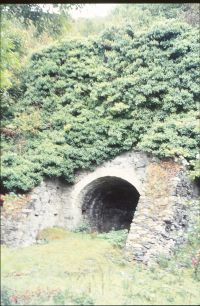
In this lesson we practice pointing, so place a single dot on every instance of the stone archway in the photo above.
(109, 202)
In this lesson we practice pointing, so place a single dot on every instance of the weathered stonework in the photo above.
(134, 191)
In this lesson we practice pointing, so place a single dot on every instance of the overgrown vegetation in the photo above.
(98, 88)
(91, 271)
(84, 102)
(116, 238)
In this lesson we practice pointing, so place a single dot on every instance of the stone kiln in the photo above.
(135, 191)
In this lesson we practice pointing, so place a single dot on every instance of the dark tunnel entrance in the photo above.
(109, 204)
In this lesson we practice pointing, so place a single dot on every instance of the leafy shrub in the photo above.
(83, 228)
(5, 296)
(119, 108)
(195, 165)
(28, 123)
(63, 298)
(163, 261)
(116, 238)
(59, 298)
(176, 136)
(14, 172)
(83, 299)
(84, 102)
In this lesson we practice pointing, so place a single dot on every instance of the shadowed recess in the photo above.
(109, 203)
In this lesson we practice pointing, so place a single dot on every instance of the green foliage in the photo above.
(195, 166)
(86, 101)
(28, 123)
(59, 298)
(41, 16)
(9, 55)
(163, 261)
(5, 296)
(83, 299)
(169, 10)
(146, 14)
(96, 273)
(83, 228)
(178, 135)
(14, 172)
(119, 108)
(116, 238)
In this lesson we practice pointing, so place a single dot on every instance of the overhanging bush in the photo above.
(87, 101)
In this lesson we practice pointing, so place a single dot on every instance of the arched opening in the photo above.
(109, 203)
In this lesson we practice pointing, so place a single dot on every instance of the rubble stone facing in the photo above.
(161, 221)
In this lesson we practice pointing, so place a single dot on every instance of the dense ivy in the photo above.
(87, 101)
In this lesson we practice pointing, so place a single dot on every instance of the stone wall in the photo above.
(160, 211)
(163, 215)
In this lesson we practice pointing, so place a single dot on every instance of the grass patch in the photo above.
(54, 233)
(116, 238)
(80, 269)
